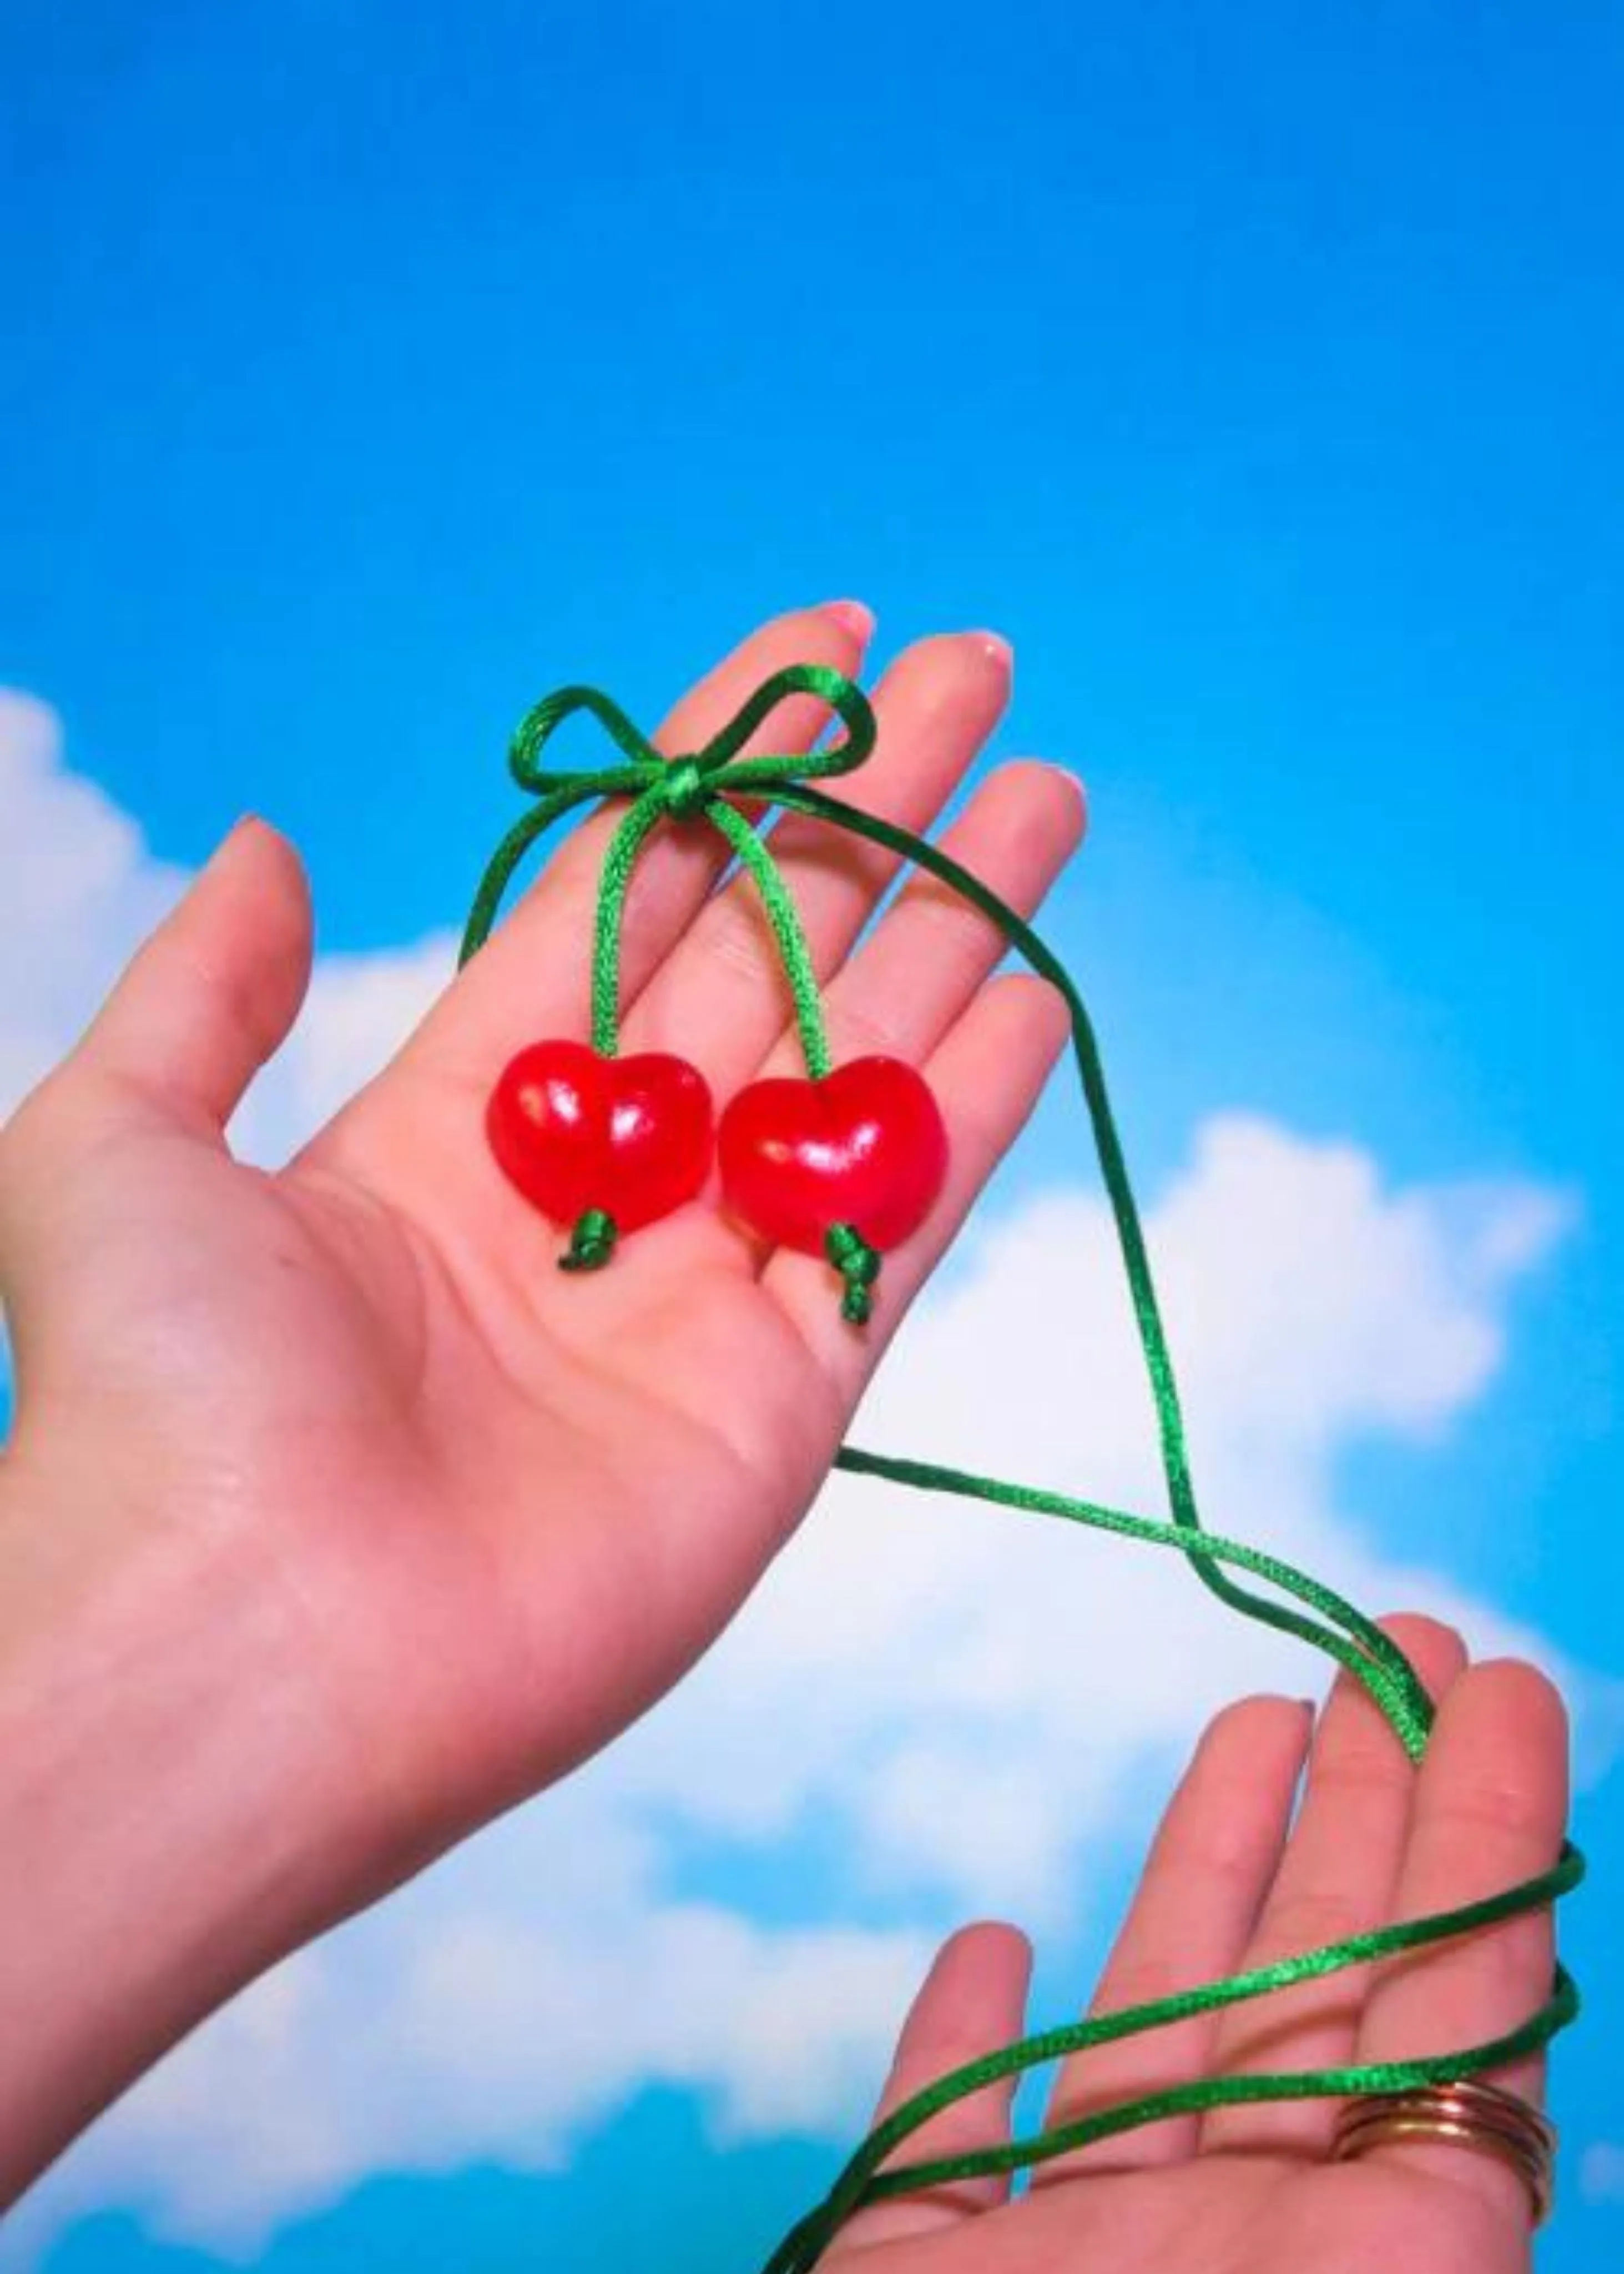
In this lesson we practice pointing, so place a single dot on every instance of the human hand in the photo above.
(1247, 2189)
(363, 1520)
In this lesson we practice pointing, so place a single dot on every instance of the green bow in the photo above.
(679, 787)
(694, 787)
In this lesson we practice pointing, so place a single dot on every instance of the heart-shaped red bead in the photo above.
(865, 1146)
(573, 1131)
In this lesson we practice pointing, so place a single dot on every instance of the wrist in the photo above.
(170, 1821)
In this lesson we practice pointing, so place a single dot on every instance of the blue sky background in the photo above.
(365, 370)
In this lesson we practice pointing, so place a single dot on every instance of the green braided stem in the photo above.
(682, 790)
(613, 880)
(786, 930)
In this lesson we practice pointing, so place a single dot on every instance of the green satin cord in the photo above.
(696, 786)
(678, 798)
(681, 789)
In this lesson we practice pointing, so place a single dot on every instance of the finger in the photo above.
(211, 994)
(973, 2000)
(987, 1074)
(720, 998)
(918, 987)
(532, 978)
(1208, 1869)
(1337, 1878)
(1490, 1807)
(932, 950)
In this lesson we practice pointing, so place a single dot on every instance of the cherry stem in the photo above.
(616, 874)
(786, 930)
(682, 797)
(592, 1241)
(859, 1266)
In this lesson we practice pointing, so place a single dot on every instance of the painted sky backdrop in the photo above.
(367, 369)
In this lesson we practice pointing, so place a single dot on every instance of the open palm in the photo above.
(497, 1509)
(1231, 1883)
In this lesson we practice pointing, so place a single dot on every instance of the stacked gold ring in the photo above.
(1464, 2113)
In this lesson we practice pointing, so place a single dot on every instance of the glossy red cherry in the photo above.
(865, 1145)
(574, 1131)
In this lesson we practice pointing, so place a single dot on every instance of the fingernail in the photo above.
(243, 822)
(852, 614)
(996, 646)
(246, 825)
(1074, 783)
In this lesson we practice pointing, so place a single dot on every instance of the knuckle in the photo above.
(1357, 1770)
(1309, 1918)
(1490, 1804)
(1142, 1979)
(1235, 1863)
(1212, 1847)
(860, 1027)
(734, 937)
(937, 915)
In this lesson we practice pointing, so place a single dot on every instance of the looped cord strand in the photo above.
(699, 784)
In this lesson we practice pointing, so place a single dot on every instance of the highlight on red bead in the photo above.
(865, 1145)
(577, 1132)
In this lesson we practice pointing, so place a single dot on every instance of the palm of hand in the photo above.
(541, 1494)
(503, 1507)
(1250, 2214)
(1245, 1869)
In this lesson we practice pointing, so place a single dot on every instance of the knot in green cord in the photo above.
(696, 783)
(685, 783)
(592, 1241)
(684, 789)
(859, 1265)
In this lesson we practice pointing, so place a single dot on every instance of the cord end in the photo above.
(859, 1266)
(591, 1242)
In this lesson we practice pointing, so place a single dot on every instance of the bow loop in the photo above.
(843, 696)
(538, 725)
(687, 782)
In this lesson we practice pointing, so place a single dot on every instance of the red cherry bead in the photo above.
(575, 1130)
(865, 1146)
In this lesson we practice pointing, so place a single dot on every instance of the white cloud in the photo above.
(443, 2032)
(959, 1700)
(359, 1009)
(79, 890)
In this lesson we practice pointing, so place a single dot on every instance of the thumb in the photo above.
(215, 990)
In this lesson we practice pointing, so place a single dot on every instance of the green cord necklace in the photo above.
(846, 1165)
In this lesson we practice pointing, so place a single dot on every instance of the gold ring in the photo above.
(1463, 2113)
